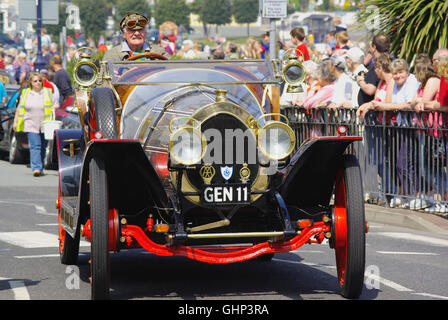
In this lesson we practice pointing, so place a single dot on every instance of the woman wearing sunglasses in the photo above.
(133, 28)
(36, 105)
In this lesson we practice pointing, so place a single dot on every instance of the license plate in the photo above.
(224, 194)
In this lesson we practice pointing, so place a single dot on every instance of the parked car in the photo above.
(192, 158)
(14, 144)
(5, 39)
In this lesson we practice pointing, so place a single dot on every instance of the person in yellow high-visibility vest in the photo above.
(36, 105)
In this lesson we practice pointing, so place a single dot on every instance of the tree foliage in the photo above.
(245, 11)
(125, 6)
(93, 15)
(218, 12)
(414, 26)
(301, 5)
(172, 10)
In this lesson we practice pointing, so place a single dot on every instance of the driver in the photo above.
(134, 33)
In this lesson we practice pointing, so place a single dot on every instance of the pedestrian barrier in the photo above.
(403, 154)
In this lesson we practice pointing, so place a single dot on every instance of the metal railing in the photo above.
(403, 155)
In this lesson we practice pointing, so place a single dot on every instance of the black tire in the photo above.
(15, 155)
(352, 280)
(99, 254)
(106, 118)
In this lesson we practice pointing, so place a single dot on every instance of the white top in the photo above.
(407, 92)
(345, 89)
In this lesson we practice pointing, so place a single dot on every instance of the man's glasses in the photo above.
(133, 23)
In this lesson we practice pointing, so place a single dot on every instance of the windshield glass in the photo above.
(155, 106)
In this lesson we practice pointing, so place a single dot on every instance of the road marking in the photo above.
(409, 253)
(18, 288)
(38, 208)
(369, 277)
(415, 237)
(388, 283)
(431, 295)
(51, 255)
(306, 251)
(43, 211)
(38, 256)
(33, 239)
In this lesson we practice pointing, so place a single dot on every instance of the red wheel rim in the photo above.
(61, 234)
(61, 229)
(340, 226)
(113, 230)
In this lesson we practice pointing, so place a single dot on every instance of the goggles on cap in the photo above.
(136, 22)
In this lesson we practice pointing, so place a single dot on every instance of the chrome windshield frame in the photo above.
(260, 71)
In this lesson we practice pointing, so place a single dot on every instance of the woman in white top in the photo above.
(345, 89)
(36, 105)
(405, 88)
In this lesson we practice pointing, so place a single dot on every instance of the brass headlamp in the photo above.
(293, 72)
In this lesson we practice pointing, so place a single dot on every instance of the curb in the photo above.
(381, 215)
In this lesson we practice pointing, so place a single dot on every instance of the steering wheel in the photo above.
(147, 55)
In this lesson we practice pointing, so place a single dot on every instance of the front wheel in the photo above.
(349, 228)
(99, 205)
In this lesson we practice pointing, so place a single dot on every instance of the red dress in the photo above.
(443, 92)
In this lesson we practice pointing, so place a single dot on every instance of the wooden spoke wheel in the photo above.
(99, 218)
(349, 228)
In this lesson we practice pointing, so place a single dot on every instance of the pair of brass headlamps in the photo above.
(276, 140)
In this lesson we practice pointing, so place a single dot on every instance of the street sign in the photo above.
(28, 11)
(273, 9)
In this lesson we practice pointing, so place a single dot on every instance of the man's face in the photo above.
(135, 38)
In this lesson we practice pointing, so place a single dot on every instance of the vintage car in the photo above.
(192, 158)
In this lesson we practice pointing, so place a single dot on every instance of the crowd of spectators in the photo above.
(376, 84)
(19, 64)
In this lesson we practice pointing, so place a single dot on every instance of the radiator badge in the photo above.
(226, 172)
(207, 173)
(244, 173)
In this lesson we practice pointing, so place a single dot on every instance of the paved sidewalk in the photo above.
(407, 218)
